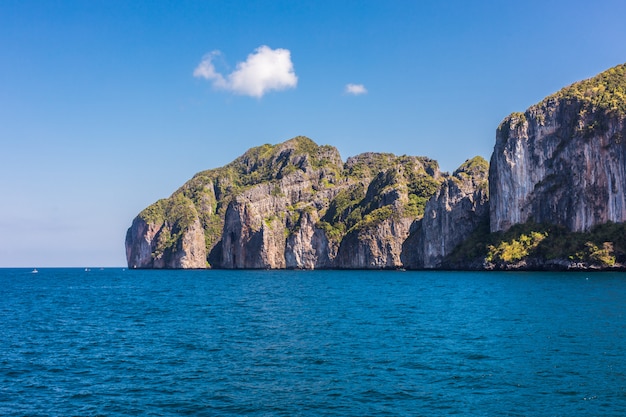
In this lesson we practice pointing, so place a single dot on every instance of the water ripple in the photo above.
(324, 343)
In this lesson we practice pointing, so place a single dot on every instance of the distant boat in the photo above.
(34, 271)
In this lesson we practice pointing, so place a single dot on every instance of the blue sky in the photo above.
(101, 114)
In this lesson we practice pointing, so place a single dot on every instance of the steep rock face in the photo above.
(376, 247)
(376, 240)
(191, 252)
(563, 161)
(243, 238)
(451, 215)
(307, 223)
(258, 225)
(292, 205)
(308, 247)
(141, 243)
(145, 240)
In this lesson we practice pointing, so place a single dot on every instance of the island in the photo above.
(551, 198)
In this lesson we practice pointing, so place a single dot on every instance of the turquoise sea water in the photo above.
(116, 342)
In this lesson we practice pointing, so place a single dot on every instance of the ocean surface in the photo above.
(117, 342)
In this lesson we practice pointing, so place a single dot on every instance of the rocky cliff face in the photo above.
(292, 205)
(149, 244)
(563, 161)
(451, 215)
(273, 224)
(307, 245)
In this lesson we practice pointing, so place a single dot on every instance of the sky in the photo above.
(108, 106)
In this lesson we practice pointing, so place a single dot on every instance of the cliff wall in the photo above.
(168, 235)
(291, 205)
(563, 161)
(451, 215)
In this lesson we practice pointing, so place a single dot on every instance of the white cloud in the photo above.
(264, 70)
(206, 70)
(356, 89)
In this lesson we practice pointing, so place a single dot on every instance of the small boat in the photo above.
(34, 271)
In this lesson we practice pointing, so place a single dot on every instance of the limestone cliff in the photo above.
(563, 161)
(292, 205)
(452, 214)
(307, 246)
(168, 234)
(376, 240)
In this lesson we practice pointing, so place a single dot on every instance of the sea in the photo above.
(118, 342)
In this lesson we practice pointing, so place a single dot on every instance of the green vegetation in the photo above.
(164, 242)
(178, 210)
(420, 182)
(606, 91)
(474, 247)
(604, 256)
(514, 120)
(602, 246)
(343, 203)
(379, 188)
(175, 214)
(515, 249)
(264, 163)
(304, 145)
(270, 220)
(374, 218)
(518, 119)
(207, 195)
(276, 191)
(420, 190)
(369, 164)
(213, 226)
(476, 167)
(333, 232)
(390, 177)
(154, 213)
(415, 207)
(293, 217)
(343, 212)
(356, 210)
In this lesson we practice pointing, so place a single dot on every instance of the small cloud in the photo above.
(206, 70)
(264, 70)
(356, 89)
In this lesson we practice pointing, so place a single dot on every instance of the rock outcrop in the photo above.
(390, 206)
(307, 245)
(563, 161)
(292, 205)
(452, 214)
(167, 235)
(270, 224)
